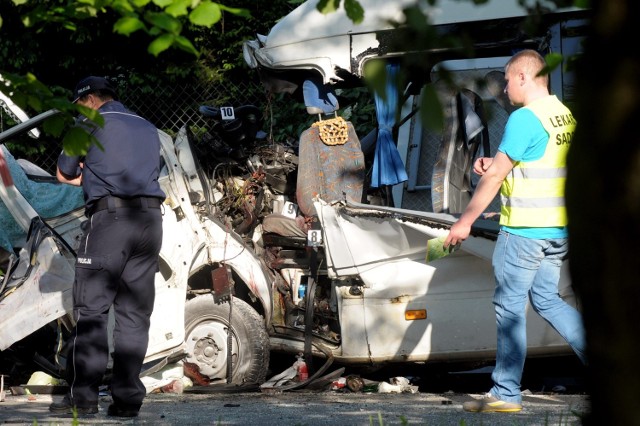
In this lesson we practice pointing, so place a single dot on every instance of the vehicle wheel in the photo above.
(206, 326)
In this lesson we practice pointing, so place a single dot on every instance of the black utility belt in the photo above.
(129, 203)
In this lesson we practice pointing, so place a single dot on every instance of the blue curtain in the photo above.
(388, 168)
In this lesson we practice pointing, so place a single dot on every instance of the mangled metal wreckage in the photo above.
(269, 249)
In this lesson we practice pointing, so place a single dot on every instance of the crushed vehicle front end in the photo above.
(36, 292)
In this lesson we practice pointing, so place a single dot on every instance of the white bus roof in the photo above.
(309, 39)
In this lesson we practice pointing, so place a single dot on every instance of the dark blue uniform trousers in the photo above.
(116, 265)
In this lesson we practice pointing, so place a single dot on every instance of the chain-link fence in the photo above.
(168, 107)
(171, 107)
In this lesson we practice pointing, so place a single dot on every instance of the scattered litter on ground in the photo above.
(39, 383)
(40, 378)
(172, 378)
(30, 396)
(397, 385)
(281, 379)
(192, 371)
(336, 382)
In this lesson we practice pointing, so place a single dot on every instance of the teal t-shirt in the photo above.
(525, 139)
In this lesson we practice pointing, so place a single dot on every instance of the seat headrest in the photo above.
(319, 98)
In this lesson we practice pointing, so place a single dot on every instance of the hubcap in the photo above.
(207, 347)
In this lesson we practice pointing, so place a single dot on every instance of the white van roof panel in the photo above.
(309, 39)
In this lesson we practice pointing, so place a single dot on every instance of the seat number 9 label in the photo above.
(290, 210)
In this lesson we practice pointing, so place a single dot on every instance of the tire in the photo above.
(206, 325)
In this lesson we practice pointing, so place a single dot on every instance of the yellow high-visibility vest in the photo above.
(532, 194)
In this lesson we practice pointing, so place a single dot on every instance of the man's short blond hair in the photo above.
(529, 62)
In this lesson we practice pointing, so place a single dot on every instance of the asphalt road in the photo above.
(553, 394)
(305, 408)
(550, 399)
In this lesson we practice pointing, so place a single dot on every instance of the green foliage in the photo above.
(244, 13)
(115, 34)
(358, 107)
(328, 6)
(376, 76)
(206, 14)
(221, 45)
(128, 25)
(286, 118)
(29, 92)
(431, 110)
(161, 19)
(76, 141)
(353, 8)
(552, 60)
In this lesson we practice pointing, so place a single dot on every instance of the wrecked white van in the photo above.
(330, 48)
(270, 248)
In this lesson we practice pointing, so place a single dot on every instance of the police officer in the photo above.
(118, 254)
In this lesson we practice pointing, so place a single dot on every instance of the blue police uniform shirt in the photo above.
(127, 165)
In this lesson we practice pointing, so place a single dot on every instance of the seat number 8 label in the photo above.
(314, 238)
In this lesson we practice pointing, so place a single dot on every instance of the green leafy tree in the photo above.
(48, 45)
(70, 32)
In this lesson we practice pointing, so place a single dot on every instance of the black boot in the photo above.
(67, 406)
(122, 411)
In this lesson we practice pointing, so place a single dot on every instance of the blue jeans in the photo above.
(528, 267)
